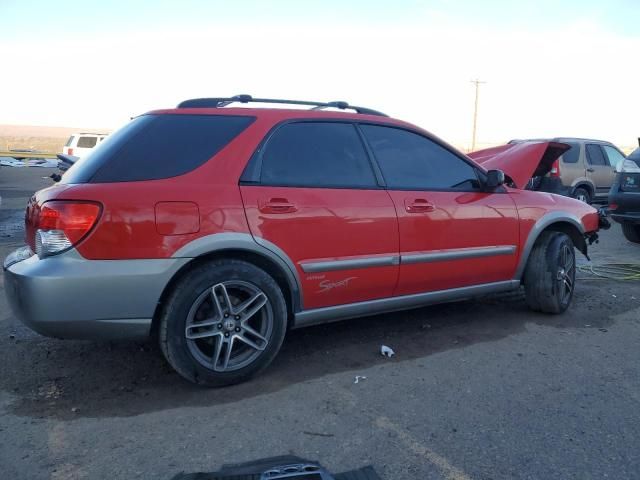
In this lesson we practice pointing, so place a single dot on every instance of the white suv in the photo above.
(79, 144)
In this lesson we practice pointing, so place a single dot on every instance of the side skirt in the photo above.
(383, 305)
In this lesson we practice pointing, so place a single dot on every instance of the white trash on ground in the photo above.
(387, 351)
(359, 378)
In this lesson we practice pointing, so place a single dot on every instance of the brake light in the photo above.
(555, 169)
(69, 151)
(60, 225)
(613, 206)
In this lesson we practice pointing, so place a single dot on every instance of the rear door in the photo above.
(599, 170)
(451, 233)
(85, 144)
(312, 191)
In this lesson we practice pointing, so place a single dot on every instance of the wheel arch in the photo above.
(240, 247)
(556, 222)
(586, 185)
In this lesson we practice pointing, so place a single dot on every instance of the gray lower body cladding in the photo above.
(67, 296)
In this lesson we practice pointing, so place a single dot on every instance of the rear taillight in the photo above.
(69, 151)
(555, 169)
(613, 206)
(62, 224)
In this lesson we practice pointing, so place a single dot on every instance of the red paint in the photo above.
(325, 224)
(454, 220)
(153, 219)
(177, 218)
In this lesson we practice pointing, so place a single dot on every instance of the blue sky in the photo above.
(553, 68)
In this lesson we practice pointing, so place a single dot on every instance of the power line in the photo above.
(475, 113)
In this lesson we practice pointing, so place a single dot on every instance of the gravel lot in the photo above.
(477, 390)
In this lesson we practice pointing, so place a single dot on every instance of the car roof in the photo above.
(89, 133)
(562, 139)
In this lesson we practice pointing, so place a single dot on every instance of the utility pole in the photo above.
(475, 113)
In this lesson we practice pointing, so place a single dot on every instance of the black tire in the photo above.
(583, 195)
(550, 275)
(631, 232)
(183, 315)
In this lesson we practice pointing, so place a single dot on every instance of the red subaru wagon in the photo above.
(217, 229)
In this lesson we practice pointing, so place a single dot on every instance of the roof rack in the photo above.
(223, 102)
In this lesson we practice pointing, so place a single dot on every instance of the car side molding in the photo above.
(392, 304)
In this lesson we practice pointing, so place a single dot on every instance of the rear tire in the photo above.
(224, 322)
(631, 232)
(549, 277)
(583, 195)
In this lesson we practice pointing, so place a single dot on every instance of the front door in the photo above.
(313, 193)
(451, 233)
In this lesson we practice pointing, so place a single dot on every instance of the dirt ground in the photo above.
(481, 389)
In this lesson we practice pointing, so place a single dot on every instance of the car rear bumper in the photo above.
(67, 296)
(626, 217)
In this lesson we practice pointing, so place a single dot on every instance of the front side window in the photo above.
(87, 142)
(316, 154)
(595, 155)
(412, 162)
(613, 155)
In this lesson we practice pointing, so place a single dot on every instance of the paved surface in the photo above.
(478, 390)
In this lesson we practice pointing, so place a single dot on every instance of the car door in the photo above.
(599, 170)
(312, 191)
(452, 234)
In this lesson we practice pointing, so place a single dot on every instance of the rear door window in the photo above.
(573, 154)
(70, 141)
(595, 155)
(316, 154)
(87, 142)
(152, 147)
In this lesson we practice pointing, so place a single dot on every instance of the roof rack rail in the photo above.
(224, 101)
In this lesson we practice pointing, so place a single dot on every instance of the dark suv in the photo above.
(217, 229)
(624, 197)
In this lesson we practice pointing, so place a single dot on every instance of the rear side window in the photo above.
(595, 155)
(69, 142)
(87, 142)
(152, 147)
(316, 154)
(571, 155)
(412, 162)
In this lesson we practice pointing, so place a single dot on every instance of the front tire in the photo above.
(224, 322)
(549, 277)
(631, 232)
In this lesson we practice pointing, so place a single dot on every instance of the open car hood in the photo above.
(521, 161)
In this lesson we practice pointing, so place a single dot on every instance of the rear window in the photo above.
(153, 147)
(571, 155)
(87, 142)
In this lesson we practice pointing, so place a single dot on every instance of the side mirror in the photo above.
(495, 178)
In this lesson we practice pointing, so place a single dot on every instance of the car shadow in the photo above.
(71, 379)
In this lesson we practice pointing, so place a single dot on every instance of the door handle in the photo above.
(418, 205)
(277, 205)
(591, 170)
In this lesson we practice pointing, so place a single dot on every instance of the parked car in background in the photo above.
(585, 171)
(276, 219)
(624, 196)
(79, 144)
